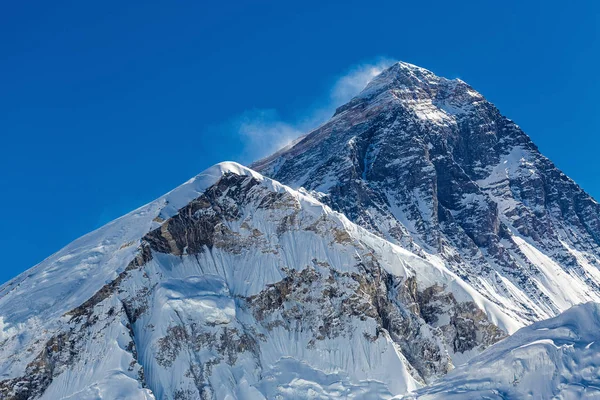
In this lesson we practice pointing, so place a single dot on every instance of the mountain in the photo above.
(412, 233)
(429, 164)
(557, 358)
(232, 285)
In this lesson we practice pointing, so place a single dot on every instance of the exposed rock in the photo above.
(428, 163)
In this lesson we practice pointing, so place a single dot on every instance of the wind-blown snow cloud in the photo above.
(355, 80)
(263, 132)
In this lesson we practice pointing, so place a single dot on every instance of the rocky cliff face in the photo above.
(418, 227)
(429, 164)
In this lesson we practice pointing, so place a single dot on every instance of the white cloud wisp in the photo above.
(263, 132)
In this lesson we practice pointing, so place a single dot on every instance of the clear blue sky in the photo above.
(104, 106)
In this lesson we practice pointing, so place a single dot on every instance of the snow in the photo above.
(562, 288)
(207, 296)
(433, 270)
(584, 260)
(109, 371)
(115, 386)
(296, 380)
(557, 358)
(403, 80)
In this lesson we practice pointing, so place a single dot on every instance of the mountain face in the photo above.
(247, 285)
(404, 237)
(429, 164)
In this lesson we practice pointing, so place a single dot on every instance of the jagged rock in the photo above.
(428, 163)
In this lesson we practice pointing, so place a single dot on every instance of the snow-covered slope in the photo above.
(235, 285)
(557, 358)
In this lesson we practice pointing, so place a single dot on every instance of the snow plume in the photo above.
(263, 131)
(355, 80)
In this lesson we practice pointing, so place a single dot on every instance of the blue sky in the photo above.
(107, 105)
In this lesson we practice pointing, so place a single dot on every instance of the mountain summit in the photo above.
(429, 164)
(405, 81)
(402, 238)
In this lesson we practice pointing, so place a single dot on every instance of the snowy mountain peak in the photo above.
(225, 167)
(247, 282)
(411, 232)
(404, 75)
(413, 87)
(61, 282)
(429, 164)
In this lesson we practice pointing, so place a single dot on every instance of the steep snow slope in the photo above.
(554, 359)
(428, 163)
(235, 285)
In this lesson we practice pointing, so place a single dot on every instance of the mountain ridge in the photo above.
(464, 172)
(219, 266)
(402, 238)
